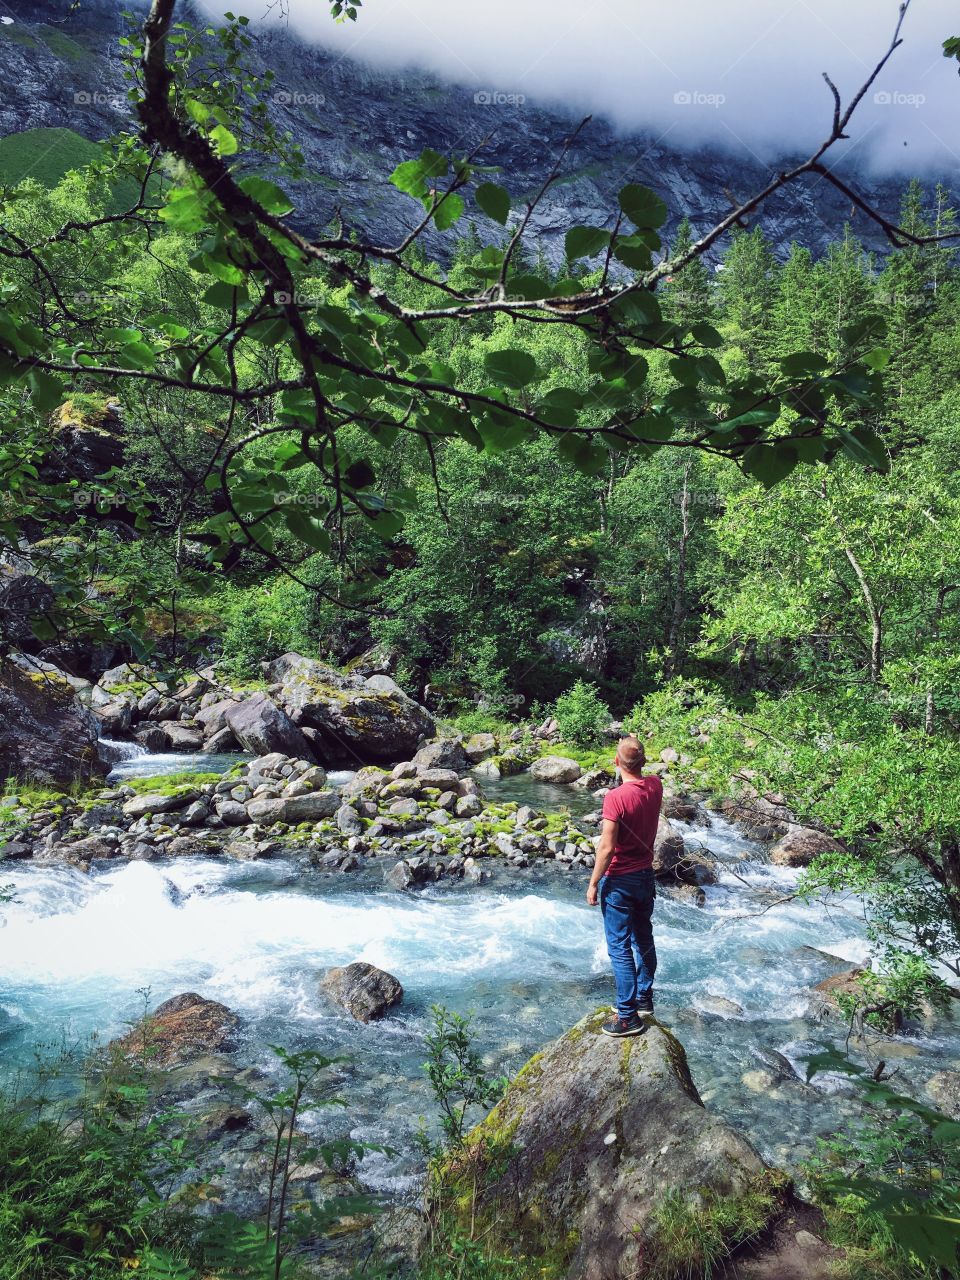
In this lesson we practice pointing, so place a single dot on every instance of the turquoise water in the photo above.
(522, 952)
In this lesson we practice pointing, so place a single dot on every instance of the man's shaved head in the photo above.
(630, 754)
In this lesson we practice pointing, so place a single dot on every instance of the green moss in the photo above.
(171, 784)
(67, 50)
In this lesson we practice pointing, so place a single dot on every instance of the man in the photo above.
(622, 880)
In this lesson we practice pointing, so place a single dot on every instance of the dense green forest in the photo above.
(708, 489)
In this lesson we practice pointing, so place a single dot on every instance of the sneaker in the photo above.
(645, 1003)
(618, 1026)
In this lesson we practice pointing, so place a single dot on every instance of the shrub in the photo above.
(581, 714)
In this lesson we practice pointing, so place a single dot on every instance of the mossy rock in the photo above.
(574, 1161)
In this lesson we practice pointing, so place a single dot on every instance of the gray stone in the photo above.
(557, 769)
(232, 813)
(140, 805)
(223, 740)
(469, 807)
(442, 779)
(46, 735)
(594, 1123)
(294, 809)
(445, 753)
(260, 725)
(406, 808)
(479, 746)
(366, 992)
(801, 845)
(182, 737)
(719, 1006)
(349, 821)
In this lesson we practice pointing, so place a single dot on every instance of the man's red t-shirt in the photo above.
(636, 807)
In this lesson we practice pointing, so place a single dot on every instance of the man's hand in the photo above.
(592, 894)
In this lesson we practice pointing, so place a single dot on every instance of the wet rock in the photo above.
(719, 1006)
(181, 1029)
(13, 850)
(260, 725)
(151, 737)
(222, 1121)
(680, 808)
(294, 809)
(556, 769)
(685, 893)
(80, 852)
(141, 805)
(591, 1132)
(473, 872)
(445, 753)
(399, 877)
(944, 1088)
(46, 734)
(695, 869)
(366, 992)
(668, 851)
(800, 846)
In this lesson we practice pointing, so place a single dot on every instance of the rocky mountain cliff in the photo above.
(61, 69)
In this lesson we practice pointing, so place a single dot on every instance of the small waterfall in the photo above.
(111, 750)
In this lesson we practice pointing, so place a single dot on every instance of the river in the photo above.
(522, 952)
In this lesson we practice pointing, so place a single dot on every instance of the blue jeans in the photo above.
(627, 905)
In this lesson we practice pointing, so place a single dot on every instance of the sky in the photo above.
(743, 74)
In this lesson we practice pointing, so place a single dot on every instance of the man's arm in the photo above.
(608, 842)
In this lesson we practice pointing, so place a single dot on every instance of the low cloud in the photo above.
(739, 74)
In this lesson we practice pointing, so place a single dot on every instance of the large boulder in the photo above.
(294, 809)
(445, 753)
(555, 769)
(259, 725)
(668, 851)
(801, 845)
(159, 802)
(182, 1028)
(944, 1088)
(589, 1139)
(46, 735)
(348, 718)
(365, 991)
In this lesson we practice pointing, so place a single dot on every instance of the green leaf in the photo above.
(642, 206)
(803, 364)
(46, 390)
(864, 446)
(224, 141)
(586, 455)
(585, 242)
(769, 463)
(494, 201)
(511, 367)
(412, 175)
(267, 194)
(448, 212)
(307, 528)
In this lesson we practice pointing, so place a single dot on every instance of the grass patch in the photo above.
(693, 1236)
(66, 49)
(169, 784)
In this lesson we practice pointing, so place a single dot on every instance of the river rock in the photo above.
(261, 726)
(350, 718)
(469, 806)
(46, 734)
(574, 1160)
(13, 850)
(213, 716)
(232, 813)
(181, 1029)
(223, 740)
(555, 769)
(680, 808)
(719, 1006)
(479, 746)
(801, 845)
(365, 991)
(445, 753)
(151, 737)
(944, 1088)
(668, 851)
(294, 809)
(442, 779)
(139, 806)
(349, 821)
(182, 737)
